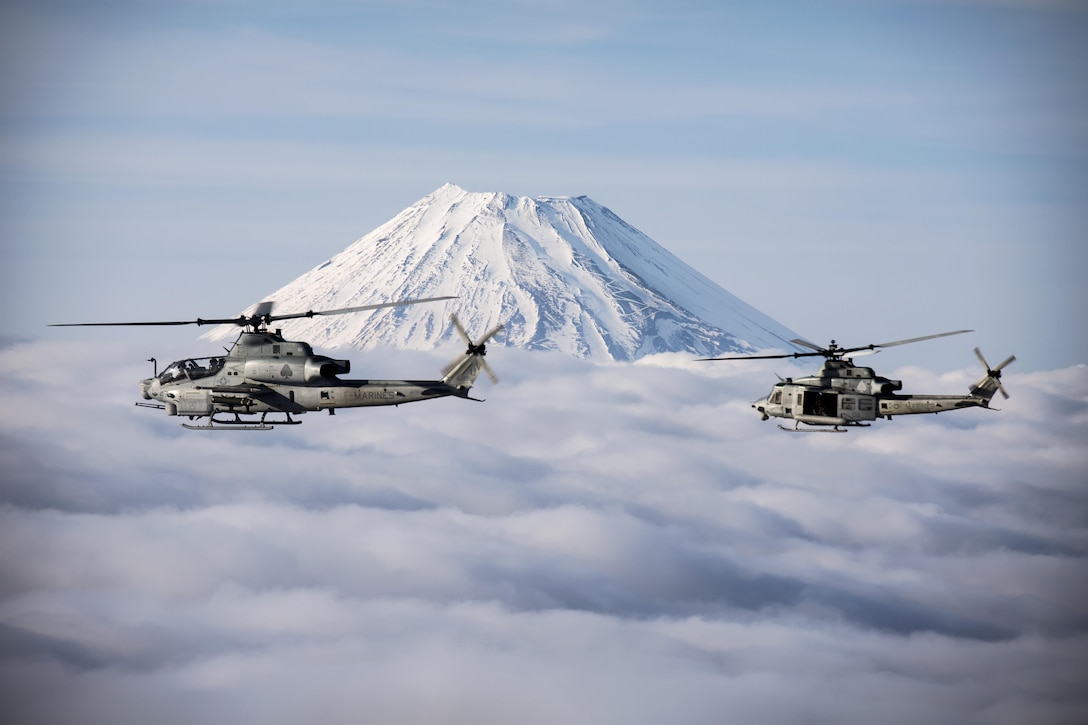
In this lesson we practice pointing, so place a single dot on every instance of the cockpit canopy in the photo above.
(192, 368)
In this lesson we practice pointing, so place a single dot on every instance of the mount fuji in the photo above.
(561, 273)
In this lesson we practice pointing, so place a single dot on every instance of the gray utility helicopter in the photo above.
(263, 373)
(843, 394)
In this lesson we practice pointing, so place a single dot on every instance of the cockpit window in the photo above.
(193, 369)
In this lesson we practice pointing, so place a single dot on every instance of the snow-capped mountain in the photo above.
(561, 273)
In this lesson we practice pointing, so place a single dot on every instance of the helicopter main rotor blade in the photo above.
(226, 321)
(833, 351)
(260, 316)
(841, 351)
(919, 339)
(360, 308)
(806, 343)
(762, 357)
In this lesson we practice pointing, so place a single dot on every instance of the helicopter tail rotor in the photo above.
(991, 382)
(462, 372)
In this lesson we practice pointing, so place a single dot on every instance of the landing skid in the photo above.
(238, 424)
(835, 429)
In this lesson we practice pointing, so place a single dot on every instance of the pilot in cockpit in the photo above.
(175, 371)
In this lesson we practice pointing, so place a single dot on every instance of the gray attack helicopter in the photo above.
(264, 374)
(844, 394)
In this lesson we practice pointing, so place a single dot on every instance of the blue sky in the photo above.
(863, 170)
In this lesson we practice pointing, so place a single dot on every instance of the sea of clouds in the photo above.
(622, 543)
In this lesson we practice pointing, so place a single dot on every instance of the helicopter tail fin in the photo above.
(462, 372)
(990, 383)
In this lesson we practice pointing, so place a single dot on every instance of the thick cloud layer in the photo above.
(622, 543)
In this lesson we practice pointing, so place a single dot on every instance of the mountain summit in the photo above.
(562, 273)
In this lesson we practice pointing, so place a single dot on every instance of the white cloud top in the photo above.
(595, 543)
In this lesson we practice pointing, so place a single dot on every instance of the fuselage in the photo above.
(264, 373)
(841, 393)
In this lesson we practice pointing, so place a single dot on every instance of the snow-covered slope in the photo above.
(562, 273)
